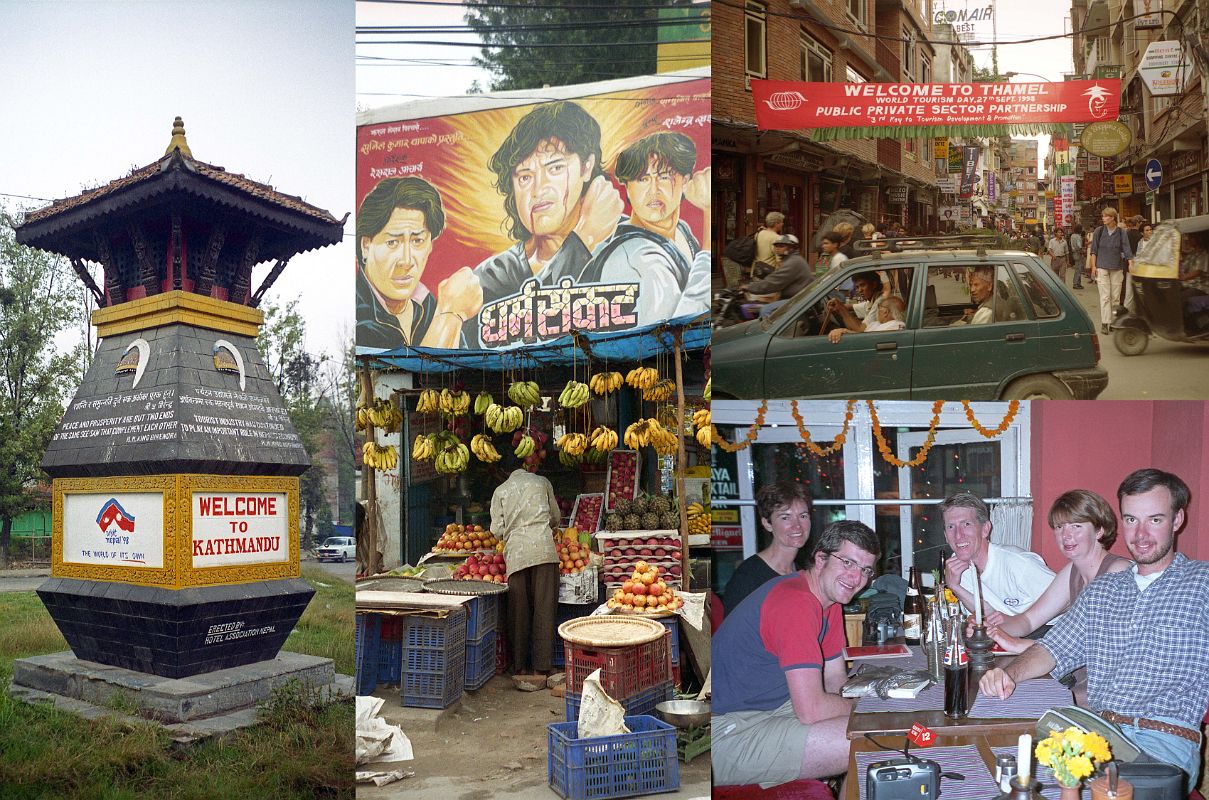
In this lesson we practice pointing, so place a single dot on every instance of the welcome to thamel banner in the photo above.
(795, 105)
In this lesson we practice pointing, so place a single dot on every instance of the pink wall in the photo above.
(1095, 444)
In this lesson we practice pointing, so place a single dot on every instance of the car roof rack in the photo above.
(959, 241)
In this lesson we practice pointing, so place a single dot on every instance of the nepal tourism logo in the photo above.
(785, 101)
(112, 514)
(1097, 101)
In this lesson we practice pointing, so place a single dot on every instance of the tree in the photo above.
(40, 302)
(595, 36)
(316, 402)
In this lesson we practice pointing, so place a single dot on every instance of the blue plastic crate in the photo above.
(672, 623)
(480, 662)
(433, 661)
(642, 703)
(365, 637)
(565, 613)
(638, 763)
(482, 616)
(390, 661)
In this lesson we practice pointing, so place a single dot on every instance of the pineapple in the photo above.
(613, 522)
(622, 507)
(650, 521)
(632, 522)
(659, 504)
(669, 521)
(639, 506)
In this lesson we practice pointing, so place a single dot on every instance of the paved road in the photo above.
(21, 584)
(1166, 371)
(345, 572)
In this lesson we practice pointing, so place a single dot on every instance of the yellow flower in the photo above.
(1097, 747)
(1079, 766)
(1074, 737)
(949, 596)
(1045, 753)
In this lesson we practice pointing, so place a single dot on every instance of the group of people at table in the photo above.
(1133, 633)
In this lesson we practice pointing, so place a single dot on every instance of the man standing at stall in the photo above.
(778, 668)
(524, 512)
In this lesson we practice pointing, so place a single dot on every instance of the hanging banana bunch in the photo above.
(483, 402)
(703, 421)
(454, 403)
(382, 414)
(603, 439)
(707, 392)
(568, 460)
(430, 401)
(646, 432)
(660, 391)
(574, 395)
(603, 383)
(642, 377)
(503, 419)
(525, 394)
(454, 457)
(378, 457)
(482, 447)
(423, 448)
(573, 443)
(526, 447)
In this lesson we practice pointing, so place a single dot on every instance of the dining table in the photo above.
(1015, 715)
(967, 753)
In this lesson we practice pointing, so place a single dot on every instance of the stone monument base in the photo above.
(189, 708)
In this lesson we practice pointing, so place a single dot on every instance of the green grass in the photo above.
(301, 750)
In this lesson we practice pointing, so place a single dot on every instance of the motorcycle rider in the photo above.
(788, 279)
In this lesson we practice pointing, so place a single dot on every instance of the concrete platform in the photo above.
(189, 708)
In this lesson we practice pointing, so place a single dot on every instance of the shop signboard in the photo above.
(1147, 14)
(794, 105)
(1165, 68)
(897, 194)
(968, 20)
(488, 223)
(1106, 138)
(1122, 184)
(940, 148)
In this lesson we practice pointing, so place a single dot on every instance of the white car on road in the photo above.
(337, 548)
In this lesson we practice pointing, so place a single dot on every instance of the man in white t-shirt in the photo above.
(891, 312)
(1012, 579)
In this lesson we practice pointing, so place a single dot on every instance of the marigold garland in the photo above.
(805, 434)
(884, 447)
(1013, 407)
(752, 432)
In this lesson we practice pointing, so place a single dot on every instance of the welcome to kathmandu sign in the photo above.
(796, 105)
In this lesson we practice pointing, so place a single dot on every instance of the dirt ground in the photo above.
(493, 745)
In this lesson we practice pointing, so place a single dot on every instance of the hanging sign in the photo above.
(897, 194)
(940, 148)
(1148, 14)
(969, 171)
(1165, 68)
(794, 105)
(1106, 138)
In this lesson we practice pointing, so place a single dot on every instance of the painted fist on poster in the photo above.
(461, 294)
(697, 190)
(600, 210)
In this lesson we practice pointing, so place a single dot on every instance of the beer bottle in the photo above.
(934, 641)
(913, 610)
(957, 672)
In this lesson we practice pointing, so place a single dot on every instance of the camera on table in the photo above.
(903, 779)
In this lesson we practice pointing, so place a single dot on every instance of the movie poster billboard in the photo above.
(498, 221)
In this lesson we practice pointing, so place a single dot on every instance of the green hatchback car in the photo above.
(967, 323)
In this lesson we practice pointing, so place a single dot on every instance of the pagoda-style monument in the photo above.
(175, 467)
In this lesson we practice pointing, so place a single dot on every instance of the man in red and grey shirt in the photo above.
(778, 668)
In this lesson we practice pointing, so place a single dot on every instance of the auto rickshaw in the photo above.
(1168, 300)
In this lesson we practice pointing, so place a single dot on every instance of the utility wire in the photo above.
(545, 6)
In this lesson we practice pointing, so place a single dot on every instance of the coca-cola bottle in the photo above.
(913, 610)
(957, 672)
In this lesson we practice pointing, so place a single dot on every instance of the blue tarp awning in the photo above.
(636, 344)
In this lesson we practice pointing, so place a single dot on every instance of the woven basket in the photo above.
(392, 584)
(610, 631)
(454, 586)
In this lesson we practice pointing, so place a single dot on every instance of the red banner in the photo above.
(794, 105)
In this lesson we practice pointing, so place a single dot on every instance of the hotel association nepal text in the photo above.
(794, 105)
(239, 528)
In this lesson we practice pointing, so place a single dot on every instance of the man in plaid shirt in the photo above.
(1143, 633)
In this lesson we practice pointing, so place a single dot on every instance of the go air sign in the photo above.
(1164, 68)
(794, 105)
(235, 528)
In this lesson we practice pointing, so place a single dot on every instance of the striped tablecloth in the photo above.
(1044, 775)
(1030, 700)
(979, 784)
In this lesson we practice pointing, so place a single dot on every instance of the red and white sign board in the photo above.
(122, 529)
(921, 735)
(234, 528)
(795, 105)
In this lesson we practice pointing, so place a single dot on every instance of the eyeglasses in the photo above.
(849, 564)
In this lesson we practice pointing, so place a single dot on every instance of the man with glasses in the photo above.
(779, 667)
(1012, 579)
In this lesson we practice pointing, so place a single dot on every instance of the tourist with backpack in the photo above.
(1108, 256)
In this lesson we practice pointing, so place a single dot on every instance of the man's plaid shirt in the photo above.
(1146, 653)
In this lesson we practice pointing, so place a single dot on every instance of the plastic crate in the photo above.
(673, 626)
(392, 627)
(642, 703)
(390, 661)
(365, 638)
(630, 764)
(480, 662)
(433, 667)
(565, 613)
(482, 616)
(624, 671)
